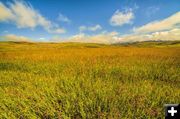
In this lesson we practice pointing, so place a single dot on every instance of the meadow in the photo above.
(75, 80)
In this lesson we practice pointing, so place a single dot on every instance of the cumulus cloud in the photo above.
(161, 25)
(12, 37)
(63, 18)
(120, 18)
(23, 15)
(90, 28)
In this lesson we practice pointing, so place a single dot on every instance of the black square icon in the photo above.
(172, 111)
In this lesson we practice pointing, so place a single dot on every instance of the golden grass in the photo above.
(40, 80)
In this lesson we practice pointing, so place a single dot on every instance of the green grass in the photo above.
(72, 80)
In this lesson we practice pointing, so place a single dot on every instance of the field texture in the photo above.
(40, 80)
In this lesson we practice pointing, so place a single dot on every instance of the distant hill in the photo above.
(97, 45)
(151, 44)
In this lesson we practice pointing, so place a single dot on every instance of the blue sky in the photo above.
(64, 19)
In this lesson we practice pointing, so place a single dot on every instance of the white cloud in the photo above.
(95, 28)
(169, 35)
(63, 18)
(90, 28)
(105, 38)
(173, 34)
(42, 38)
(6, 14)
(120, 18)
(12, 37)
(25, 16)
(165, 24)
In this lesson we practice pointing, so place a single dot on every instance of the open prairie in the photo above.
(74, 80)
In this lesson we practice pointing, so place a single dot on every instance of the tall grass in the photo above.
(87, 81)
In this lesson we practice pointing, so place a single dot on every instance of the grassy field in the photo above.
(71, 80)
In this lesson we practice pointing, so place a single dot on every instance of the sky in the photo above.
(96, 21)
